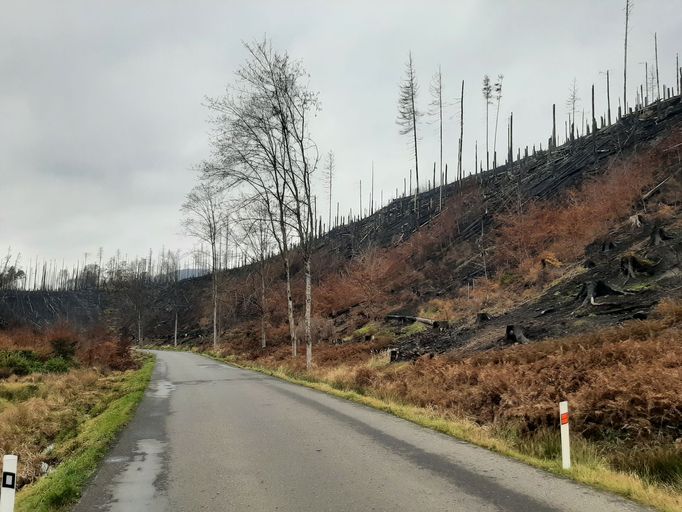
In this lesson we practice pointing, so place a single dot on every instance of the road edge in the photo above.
(62, 488)
(600, 478)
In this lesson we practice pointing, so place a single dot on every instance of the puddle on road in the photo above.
(134, 488)
(161, 389)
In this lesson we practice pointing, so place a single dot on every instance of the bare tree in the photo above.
(263, 143)
(497, 90)
(257, 242)
(658, 81)
(250, 150)
(487, 95)
(205, 220)
(460, 172)
(330, 169)
(571, 104)
(437, 112)
(10, 273)
(408, 117)
(628, 9)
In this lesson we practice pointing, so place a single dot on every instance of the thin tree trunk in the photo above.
(308, 312)
(290, 308)
(497, 115)
(440, 119)
(460, 172)
(487, 146)
(175, 330)
(658, 81)
(215, 310)
(608, 96)
(263, 341)
(625, 56)
(416, 159)
(139, 327)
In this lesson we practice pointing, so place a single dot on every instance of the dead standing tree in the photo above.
(487, 95)
(437, 112)
(628, 9)
(330, 169)
(408, 117)
(571, 104)
(205, 220)
(497, 89)
(460, 173)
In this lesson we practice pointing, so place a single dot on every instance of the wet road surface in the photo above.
(211, 437)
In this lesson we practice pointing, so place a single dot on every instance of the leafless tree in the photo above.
(257, 241)
(437, 112)
(10, 273)
(628, 9)
(408, 117)
(487, 90)
(262, 143)
(205, 220)
(460, 172)
(330, 169)
(250, 152)
(571, 104)
(658, 81)
(497, 90)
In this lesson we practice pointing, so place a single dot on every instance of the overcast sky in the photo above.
(101, 103)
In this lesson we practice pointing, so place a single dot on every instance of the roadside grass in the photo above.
(589, 464)
(81, 452)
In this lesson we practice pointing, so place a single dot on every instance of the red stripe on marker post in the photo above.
(565, 440)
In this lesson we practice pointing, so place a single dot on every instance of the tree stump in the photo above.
(632, 265)
(658, 236)
(593, 289)
(514, 334)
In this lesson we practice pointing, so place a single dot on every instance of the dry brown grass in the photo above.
(561, 229)
(623, 384)
(91, 347)
(44, 409)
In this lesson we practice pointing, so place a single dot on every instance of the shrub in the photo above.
(20, 362)
(57, 365)
(64, 348)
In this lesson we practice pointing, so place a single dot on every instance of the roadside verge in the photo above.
(63, 485)
(588, 467)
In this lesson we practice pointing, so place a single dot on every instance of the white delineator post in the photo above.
(9, 483)
(565, 441)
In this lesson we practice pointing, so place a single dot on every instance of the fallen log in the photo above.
(410, 319)
(655, 189)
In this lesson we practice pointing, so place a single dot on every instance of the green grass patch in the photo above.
(413, 328)
(25, 362)
(83, 453)
(18, 391)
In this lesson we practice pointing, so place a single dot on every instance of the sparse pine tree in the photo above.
(497, 89)
(487, 96)
(408, 117)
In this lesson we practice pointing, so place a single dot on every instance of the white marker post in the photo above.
(565, 441)
(9, 483)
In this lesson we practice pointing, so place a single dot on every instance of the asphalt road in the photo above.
(210, 437)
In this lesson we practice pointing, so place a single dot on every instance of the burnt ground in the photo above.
(542, 174)
(622, 278)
